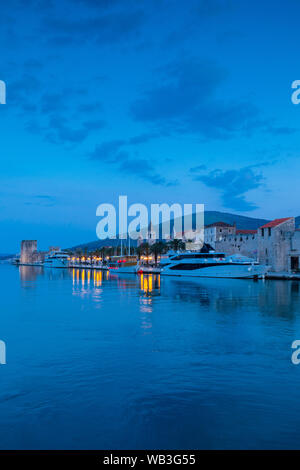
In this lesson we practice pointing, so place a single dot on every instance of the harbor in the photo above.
(270, 252)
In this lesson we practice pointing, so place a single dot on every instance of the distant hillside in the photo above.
(6, 256)
(91, 246)
(242, 222)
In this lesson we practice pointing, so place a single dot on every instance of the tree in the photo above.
(102, 252)
(157, 249)
(144, 249)
(176, 244)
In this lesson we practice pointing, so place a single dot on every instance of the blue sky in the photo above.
(160, 100)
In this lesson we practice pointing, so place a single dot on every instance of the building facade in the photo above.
(216, 232)
(275, 244)
(28, 251)
(242, 242)
(30, 254)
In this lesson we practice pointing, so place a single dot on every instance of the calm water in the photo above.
(130, 362)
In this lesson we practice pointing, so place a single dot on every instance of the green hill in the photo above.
(242, 222)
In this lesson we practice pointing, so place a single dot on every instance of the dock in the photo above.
(283, 276)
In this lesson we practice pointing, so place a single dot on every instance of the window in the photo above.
(262, 232)
(192, 267)
(186, 267)
(269, 230)
(295, 263)
(198, 256)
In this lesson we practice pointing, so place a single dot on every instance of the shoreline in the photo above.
(284, 276)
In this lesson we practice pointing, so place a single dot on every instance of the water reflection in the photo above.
(172, 352)
(271, 298)
(150, 284)
(29, 273)
(280, 298)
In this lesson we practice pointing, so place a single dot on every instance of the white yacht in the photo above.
(57, 259)
(212, 264)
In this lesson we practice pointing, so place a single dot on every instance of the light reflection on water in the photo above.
(100, 360)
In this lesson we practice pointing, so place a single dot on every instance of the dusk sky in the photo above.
(159, 100)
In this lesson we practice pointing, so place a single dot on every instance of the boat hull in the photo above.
(123, 269)
(55, 264)
(148, 270)
(230, 271)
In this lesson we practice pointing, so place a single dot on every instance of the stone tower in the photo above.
(28, 248)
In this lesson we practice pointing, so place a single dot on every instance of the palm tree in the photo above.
(144, 249)
(157, 249)
(102, 252)
(139, 252)
(177, 244)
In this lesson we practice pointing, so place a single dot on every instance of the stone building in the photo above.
(215, 232)
(28, 251)
(243, 242)
(294, 254)
(278, 245)
(30, 254)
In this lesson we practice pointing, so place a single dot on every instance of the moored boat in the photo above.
(212, 264)
(123, 264)
(148, 269)
(57, 259)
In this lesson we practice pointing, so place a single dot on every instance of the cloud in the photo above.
(210, 8)
(22, 90)
(186, 101)
(281, 130)
(52, 102)
(184, 85)
(107, 28)
(60, 116)
(195, 169)
(41, 200)
(100, 4)
(107, 151)
(61, 132)
(143, 138)
(143, 169)
(90, 107)
(33, 64)
(234, 184)
(113, 152)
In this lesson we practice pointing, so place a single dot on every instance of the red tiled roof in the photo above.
(246, 232)
(218, 224)
(275, 222)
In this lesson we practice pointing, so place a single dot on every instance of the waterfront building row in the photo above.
(276, 244)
